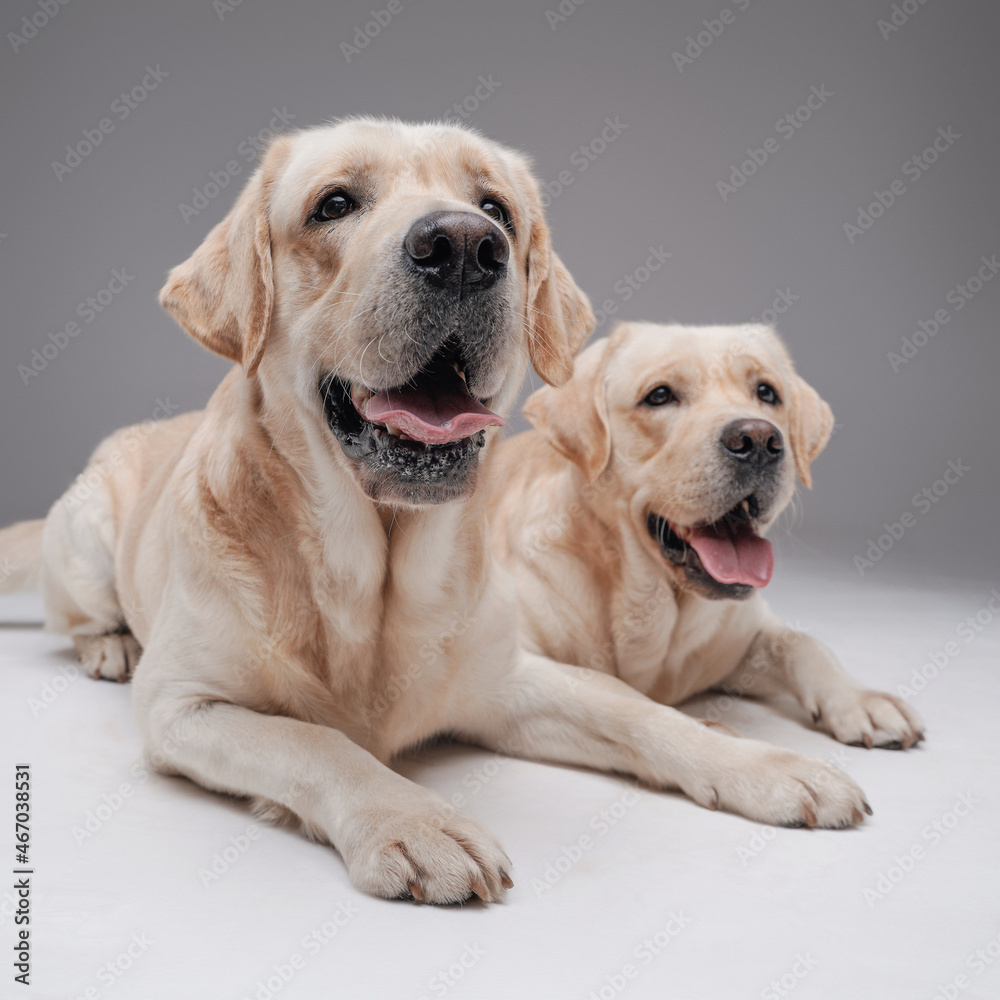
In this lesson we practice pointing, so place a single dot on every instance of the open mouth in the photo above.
(431, 414)
(727, 554)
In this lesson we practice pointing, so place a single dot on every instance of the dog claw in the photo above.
(809, 816)
(415, 891)
(868, 808)
(506, 881)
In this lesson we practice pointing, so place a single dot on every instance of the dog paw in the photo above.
(111, 655)
(437, 856)
(776, 786)
(862, 717)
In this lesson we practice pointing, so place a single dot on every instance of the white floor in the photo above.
(643, 895)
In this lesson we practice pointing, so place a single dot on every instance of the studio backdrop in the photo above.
(830, 168)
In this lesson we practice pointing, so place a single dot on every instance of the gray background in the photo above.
(655, 185)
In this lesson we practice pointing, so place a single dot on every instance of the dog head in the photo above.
(392, 282)
(695, 434)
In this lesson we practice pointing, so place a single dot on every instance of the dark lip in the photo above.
(678, 553)
(360, 438)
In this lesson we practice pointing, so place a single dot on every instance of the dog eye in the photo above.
(334, 206)
(496, 210)
(659, 396)
(768, 394)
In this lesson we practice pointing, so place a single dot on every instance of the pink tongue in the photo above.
(438, 411)
(743, 558)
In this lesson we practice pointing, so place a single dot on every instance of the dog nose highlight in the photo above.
(458, 250)
(757, 442)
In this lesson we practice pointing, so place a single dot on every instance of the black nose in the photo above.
(458, 250)
(756, 442)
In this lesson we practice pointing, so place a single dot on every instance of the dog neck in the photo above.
(291, 449)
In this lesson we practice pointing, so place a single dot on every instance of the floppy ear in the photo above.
(574, 416)
(559, 315)
(222, 294)
(811, 426)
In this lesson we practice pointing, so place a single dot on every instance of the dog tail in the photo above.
(20, 556)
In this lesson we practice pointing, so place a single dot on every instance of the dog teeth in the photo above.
(394, 431)
(745, 504)
(458, 371)
(360, 396)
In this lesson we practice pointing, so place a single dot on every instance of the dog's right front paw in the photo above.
(776, 786)
(432, 856)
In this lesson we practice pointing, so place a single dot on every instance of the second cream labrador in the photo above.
(633, 518)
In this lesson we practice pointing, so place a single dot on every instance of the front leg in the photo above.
(551, 711)
(396, 838)
(781, 661)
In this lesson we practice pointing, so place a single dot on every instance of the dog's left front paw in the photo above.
(110, 656)
(863, 717)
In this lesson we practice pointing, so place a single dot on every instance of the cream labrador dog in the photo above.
(633, 518)
(305, 565)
